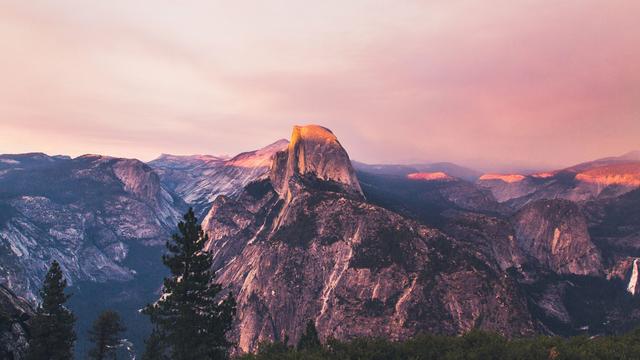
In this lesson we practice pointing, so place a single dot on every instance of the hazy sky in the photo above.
(484, 83)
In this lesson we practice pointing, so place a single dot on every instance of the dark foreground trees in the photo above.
(154, 348)
(105, 336)
(52, 334)
(309, 339)
(474, 345)
(190, 319)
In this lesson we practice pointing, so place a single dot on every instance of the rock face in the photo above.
(555, 233)
(632, 287)
(83, 212)
(603, 178)
(15, 315)
(305, 245)
(104, 219)
(627, 270)
(313, 153)
(199, 179)
(614, 225)
(430, 176)
(450, 169)
(491, 236)
(508, 187)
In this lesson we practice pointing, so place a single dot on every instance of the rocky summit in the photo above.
(313, 154)
(305, 245)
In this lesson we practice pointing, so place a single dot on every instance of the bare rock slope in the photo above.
(555, 233)
(85, 212)
(304, 245)
(199, 179)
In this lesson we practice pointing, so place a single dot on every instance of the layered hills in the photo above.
(299, 232)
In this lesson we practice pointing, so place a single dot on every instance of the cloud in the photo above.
(482, 83)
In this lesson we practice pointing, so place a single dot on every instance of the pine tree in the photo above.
(190, 316)
(105, 335)
(52, 334)
(309, 339)
(154, 348)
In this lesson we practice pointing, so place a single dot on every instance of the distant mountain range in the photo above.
(200, 179)
(449, 169)
(300, 232)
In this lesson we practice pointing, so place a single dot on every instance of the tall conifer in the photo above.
(105, 335)
(191, 318)
(52, 334)
(309, 339)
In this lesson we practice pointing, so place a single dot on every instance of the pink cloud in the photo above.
(527, 82)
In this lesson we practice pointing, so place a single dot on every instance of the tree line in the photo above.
(474, 345)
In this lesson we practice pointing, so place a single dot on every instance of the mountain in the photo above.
(427, 197)
(614, 225)
(85, 212)
(314, 155)
(599, 179)
(15, 316)
(555, 233)
(605, 191)
(101, 218)
(298, 232)
(448, 168)
(304, 244)
(199, 179)
(361, 253)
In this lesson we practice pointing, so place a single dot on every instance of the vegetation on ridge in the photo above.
(471, 346)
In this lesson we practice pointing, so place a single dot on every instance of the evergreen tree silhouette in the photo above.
(191, 318)
(309, 339)
(105, 335)
(52, 334)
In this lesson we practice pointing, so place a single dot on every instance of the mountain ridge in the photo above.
(362, 250)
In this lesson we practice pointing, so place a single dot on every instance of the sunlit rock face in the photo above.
(199, 179)
(451, 169)
(304, 245)
(599, 179)
(430, 176)
(555, 233)
(632, 287)
(315, 153)
(507, 187)
(626, 174)
(15, 319)
(508, 178)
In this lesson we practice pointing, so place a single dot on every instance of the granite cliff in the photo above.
(305, 245)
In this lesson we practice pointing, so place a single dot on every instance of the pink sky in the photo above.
(482, 83)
